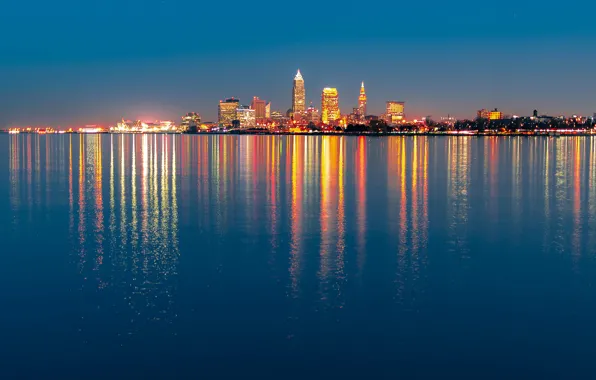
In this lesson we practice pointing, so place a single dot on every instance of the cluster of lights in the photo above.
(41, 131)
(142, 127)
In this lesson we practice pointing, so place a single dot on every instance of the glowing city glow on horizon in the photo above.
(260, 118)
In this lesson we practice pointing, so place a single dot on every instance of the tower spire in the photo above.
(298, 94)
(362, 102)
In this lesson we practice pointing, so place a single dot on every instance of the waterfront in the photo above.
(298, 256)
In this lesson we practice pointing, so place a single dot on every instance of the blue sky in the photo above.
(77, 62)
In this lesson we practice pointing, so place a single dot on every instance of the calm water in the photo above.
(297, 257)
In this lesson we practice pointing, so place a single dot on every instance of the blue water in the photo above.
(297, 257)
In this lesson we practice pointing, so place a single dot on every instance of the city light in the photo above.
(259, 117)
(143, 127)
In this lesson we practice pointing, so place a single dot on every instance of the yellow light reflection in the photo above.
(361, 206)
(98, 195)
(341, 217)
(325, 208)
(82, 210)
(296, 221)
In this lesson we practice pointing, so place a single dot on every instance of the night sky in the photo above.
(67, 63)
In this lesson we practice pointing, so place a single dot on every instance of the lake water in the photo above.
(275, 257)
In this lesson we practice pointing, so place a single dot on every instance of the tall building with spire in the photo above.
(330, 113)
(298, 95)
(362, 102)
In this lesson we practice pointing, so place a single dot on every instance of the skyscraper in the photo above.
(226, 112)
(298, 95)
(362, 102)
(259, 106)
(330, 106)
(268, 111)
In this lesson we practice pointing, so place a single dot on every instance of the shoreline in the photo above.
(366, 134)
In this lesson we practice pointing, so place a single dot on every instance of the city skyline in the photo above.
(354, 99)
(442, 59)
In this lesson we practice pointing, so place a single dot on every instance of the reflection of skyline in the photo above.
(332, 216)
(308, 201)
(591, 188)
(341, 209)
(325, 207)
(458, 182)
(139, 241)
(361, 199)
(14, 168)
(81, 208)
(407, 174)
(577, 174)
(297, 168)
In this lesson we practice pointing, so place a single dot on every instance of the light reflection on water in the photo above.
(303, 241)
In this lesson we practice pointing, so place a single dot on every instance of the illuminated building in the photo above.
(312, 114)
(495, 115)
(139, 126)
(191, 121)
(268, 111)
(448, 120)
(278, 118)
(330, 106)
(355, 117)
(483, 114)
(362, 103)
(395, 112)
(246, 116)
(226, 112)
(298, 95)
(259, 106)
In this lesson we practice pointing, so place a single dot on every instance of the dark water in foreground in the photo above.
(297, 257)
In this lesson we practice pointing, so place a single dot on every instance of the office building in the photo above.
(279, 118)
(495, 115)
(268, 111)
(355, 117)
(298, 95)
(226, 112)
(395, 112)
(483, 114)
(246, 116)
(330, 113)
(312, 114)
(190, 122)
(259, 106)
(362, 103)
